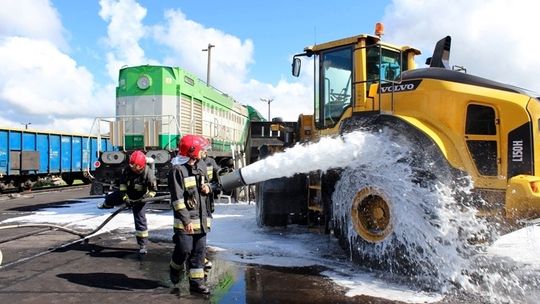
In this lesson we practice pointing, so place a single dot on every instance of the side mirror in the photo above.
(297, 63)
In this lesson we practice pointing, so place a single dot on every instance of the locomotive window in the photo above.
(480, 120)
(484, 153)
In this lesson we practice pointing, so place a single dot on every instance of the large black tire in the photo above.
(282, 201)
(405, 212)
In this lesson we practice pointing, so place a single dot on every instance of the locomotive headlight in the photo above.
(144, 82)
(159, 156)
(113, 157)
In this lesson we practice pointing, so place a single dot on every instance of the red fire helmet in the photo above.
(191, 146)
(137, 160)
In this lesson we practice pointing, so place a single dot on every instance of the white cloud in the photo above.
(495, 39)
(230, 61)
(39, 82)
(230, 57)
(124, 32)
(35, 19)
(289, 98)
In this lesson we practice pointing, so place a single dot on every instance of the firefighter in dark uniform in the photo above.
(190, 189)
(136, 182)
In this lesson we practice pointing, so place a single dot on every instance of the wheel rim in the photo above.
(371, 216)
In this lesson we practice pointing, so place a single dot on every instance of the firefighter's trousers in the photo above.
(190, 249)
(139, 215)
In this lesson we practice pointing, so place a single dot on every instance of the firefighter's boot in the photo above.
(176, 272)
(207, 264)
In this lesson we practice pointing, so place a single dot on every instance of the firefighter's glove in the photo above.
(126, 200)
(149, 194)
(205, 189)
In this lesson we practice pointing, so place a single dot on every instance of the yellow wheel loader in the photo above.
(460, 129)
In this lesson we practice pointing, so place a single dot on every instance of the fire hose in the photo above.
(85, 235)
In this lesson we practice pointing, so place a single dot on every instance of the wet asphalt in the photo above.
(47, 266)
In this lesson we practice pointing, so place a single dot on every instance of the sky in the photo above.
(60, 58)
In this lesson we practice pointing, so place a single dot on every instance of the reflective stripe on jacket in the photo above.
(189, 204)
(135, 185)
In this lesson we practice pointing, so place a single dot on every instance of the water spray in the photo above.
(327, 153)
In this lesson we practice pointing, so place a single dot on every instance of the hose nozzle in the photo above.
(232, 180)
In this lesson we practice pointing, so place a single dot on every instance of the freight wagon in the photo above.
(155, 106)
(28, 155)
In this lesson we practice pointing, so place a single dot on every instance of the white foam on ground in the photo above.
(521, 246)
(237, 236)
(86, 217)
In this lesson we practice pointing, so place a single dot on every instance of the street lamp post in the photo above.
(26, 124)
(209, 50)
(268, 100)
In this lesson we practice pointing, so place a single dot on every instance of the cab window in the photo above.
(383, 65)
(480, 120)
(482, 139)
(336, 85)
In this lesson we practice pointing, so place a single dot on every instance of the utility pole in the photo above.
(209, 50)
(269, 100)
(26, 124)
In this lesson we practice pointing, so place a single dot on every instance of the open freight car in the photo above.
(29, 155)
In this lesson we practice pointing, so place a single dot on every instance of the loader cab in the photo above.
(345, 70)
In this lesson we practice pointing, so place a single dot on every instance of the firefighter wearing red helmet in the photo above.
(136, 182)
(190, 189)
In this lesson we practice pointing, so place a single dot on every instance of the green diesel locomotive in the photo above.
(155, 106)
